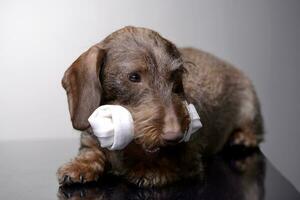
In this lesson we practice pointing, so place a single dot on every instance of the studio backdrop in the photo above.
(40, 39)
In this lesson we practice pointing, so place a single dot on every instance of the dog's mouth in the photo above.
(152, 150)
(151, 147)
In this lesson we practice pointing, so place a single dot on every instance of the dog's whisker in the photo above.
(138, 136)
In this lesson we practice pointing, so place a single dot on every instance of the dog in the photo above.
(148, 75)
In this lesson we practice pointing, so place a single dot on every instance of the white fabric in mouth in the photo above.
(113, 125)
(195, 123)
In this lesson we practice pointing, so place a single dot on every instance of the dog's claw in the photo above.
(69, 180)
(63, 180)
(82, 193)
(66, 180)
(66, 194)
(81, 179)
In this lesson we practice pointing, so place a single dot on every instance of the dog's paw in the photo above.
(87, 191)
(244, 139)
(69, 193)
(77, 172)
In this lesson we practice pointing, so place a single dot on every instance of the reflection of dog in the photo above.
(223, 180)
(148, 75)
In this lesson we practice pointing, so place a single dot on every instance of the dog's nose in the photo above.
(172, 137)
(171, 132)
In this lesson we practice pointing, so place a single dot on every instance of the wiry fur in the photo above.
(223, 96)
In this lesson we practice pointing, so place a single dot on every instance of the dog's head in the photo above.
(137, 69)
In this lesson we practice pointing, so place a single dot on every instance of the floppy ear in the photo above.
(83, 87)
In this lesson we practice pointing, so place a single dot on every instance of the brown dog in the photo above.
(140, 70)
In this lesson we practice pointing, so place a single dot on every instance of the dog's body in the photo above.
(147, 74)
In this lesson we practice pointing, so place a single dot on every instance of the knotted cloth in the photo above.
(113, 125)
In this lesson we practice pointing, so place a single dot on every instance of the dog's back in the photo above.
(225, 98)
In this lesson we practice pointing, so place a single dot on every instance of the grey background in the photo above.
(40, 39)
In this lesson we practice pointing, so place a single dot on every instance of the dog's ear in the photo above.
(82, 84)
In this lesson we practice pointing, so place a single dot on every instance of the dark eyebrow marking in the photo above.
(171, 49)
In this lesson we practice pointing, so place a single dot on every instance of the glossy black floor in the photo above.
(27, 171)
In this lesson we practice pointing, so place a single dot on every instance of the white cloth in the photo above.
(113, 125)
(114, 128)
(195, 123)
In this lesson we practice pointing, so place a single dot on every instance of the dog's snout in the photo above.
(172, 129)
(171, 121)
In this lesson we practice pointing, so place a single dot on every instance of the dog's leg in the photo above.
(248, 135)
(245, 138)
(87, 166)
(249, 130)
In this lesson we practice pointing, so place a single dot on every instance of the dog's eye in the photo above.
(134, 77)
